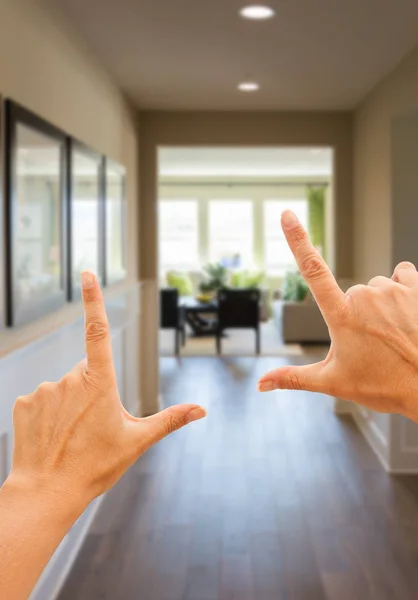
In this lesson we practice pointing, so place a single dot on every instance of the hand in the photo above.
(74, 439)
(373, 358)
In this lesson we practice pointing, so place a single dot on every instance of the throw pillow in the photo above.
(180, 281)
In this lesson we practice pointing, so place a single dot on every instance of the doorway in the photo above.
(219, 211)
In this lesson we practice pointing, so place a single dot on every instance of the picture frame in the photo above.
(35, 154)
(2, 199)
(115, 248)
(85, 214)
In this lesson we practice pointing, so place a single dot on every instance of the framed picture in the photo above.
(115, 222)
(35, 203)
(2, 249)
(86, 218)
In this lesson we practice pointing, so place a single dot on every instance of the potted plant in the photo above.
(215, 277)
(295, 288)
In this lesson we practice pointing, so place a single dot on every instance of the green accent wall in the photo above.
(316, 211)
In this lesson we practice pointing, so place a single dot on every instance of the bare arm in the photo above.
(73, 442)
(373, 359)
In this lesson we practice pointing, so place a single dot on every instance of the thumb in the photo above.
(310, 378)
(160, 425)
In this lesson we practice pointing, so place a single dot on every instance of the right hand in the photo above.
(74, 439)
(373, 359)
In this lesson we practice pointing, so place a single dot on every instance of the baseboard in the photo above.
(58, 568)
(373, 436)
(341, 407)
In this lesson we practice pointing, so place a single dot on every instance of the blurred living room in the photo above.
(157, 143)
(219, 229)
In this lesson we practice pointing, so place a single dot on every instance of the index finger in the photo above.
(312, 266)
(97, 332)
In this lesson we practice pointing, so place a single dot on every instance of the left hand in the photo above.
(74, 439)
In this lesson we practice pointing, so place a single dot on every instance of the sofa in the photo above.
(300, 322)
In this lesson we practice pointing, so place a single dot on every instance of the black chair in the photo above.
(172, 315)
(238, 309)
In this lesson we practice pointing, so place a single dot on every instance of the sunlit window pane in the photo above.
(278, 257)
(231, 232)
(178, 225)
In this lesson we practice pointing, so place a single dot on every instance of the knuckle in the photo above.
(294, 382)
(46, 388)
(405, 264)
(356, 289)
(298, 235)
(67, 383)
(377, 280)
(21, 406)
(312, 267)
(21, 402)
(343, 311)
(173, 423)
(91, 295)
(97, 331)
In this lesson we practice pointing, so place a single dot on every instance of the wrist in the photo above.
(55, 501)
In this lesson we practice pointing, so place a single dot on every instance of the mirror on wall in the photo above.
(115, 222)
(35, 214)
(86, 214)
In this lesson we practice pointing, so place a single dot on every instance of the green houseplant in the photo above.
(316, 208)
(215, 277)
(295, 288)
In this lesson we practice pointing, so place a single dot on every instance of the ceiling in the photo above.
(245, 162)
(190, 54)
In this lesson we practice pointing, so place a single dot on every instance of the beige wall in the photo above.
(247, 129)
(385, 217)
(374, 231)
(44, 67)
(232, 129)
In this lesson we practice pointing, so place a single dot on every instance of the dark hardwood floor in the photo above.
(271, 497)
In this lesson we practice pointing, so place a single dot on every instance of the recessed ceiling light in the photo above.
(248, 86)
(257, 12)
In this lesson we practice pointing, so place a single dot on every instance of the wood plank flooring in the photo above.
(272, 497)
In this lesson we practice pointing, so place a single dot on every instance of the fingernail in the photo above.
(195, 414)
(289, 219)
(87, 280)
(267, 386)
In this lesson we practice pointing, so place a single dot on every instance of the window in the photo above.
(178, 235)
(231, 232)
(278, 257)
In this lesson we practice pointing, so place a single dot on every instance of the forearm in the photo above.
(33, 523)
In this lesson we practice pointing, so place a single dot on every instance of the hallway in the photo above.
(272, 497)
